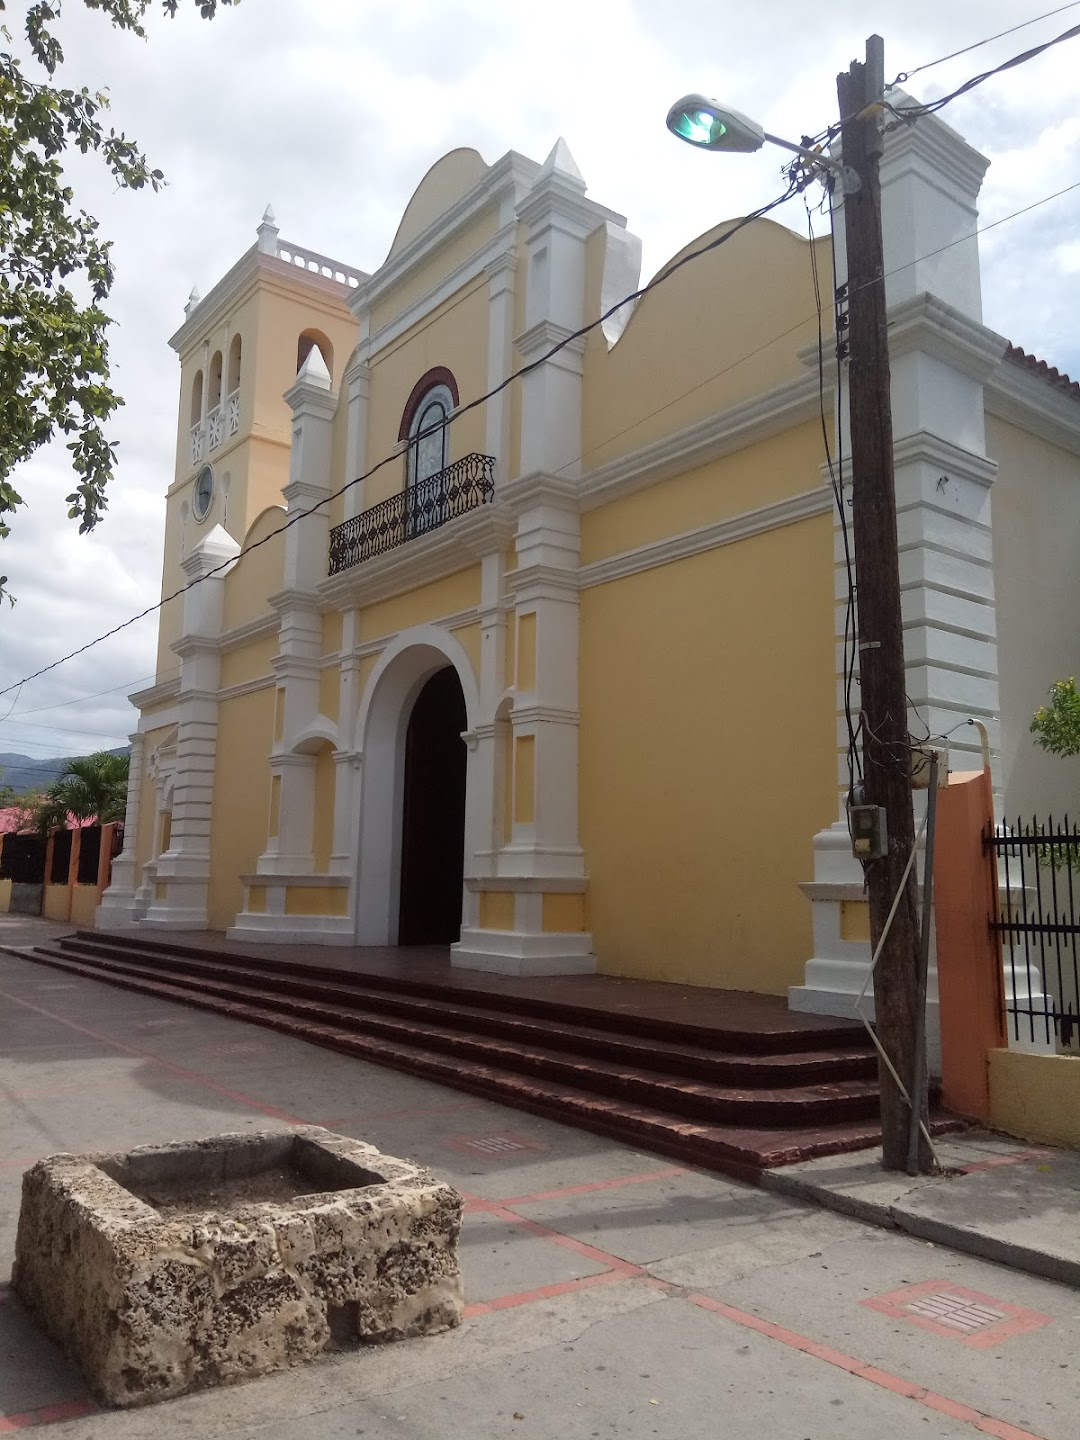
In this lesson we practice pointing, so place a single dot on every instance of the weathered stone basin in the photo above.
(178, 1266)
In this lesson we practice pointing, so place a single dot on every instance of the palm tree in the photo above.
(91, 787)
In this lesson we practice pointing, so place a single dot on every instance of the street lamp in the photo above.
(708, 125)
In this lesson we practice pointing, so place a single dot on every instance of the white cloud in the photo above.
(334, 109)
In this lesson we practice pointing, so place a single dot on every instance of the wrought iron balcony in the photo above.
(418, 509)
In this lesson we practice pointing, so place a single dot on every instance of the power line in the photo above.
(578, 334)
(525, 369)
(911, 113)
(906, 75)
(112, 690)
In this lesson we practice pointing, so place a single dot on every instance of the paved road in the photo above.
(610, 1292)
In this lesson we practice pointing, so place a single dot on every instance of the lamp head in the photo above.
(711, 126)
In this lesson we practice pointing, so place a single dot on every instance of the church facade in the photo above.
(553, 677)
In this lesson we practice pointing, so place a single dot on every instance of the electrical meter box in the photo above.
(869, 833)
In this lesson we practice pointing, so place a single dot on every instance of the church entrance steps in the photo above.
(724, 1097)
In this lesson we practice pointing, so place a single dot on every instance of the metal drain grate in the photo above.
(967, 1316)
(492, 1146)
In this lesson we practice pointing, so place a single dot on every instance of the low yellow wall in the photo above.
(56, 904)
(1036, 1096)
(5, 896)
(84, 901)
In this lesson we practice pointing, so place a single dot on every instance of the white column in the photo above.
(500, 358)
(182, 874)
(940, 356)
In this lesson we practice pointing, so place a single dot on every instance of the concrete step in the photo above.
(737, 1039)
(781, 1105)
(737, 1149)
(714, 1065)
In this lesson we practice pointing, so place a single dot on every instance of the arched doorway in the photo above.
(433, 814)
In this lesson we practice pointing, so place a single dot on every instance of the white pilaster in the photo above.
(940, 356)
(119, 906)
(182, 873)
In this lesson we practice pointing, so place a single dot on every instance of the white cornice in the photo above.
(928, 324)
(747, 423)
(159, 694)
(241, 635)
(791, 511)
(454, 546)
(1017, 396)
(512, 176)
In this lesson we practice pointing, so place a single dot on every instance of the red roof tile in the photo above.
(1045, 372)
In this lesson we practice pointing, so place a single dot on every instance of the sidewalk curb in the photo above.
(1043, 1263)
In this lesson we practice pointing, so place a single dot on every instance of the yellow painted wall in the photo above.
(249, 662)
(239, 811)
(256, 575)
(456, 336)
(434, 269)
(84, 901)
(524, 779)
(56, 903)
(425, 605)
(325, 770)
(469, 638)
(770, 471)
(759, 283)
(1036, 1097)
(5, 896)
(316, 900)
(497, 910)
(330, 692)
(526, 651)
(707, 745)
(452, 176)
(331, 632)
(562, 913)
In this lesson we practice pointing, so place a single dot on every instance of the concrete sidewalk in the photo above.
(609, 1293)
(999, 1198)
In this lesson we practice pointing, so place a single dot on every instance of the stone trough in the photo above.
(174, 1267)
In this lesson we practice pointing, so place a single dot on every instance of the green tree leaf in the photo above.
(55, 269)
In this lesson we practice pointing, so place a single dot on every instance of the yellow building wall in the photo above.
(760, 282)
(257, 574)
(455, 336)
(707, 759)
(238, 823)
(1036, 1097)
(84, 901)
(5, 896)
(772, 470)
(330, 692)
(421, 606)
(441, 262)
(249, 662)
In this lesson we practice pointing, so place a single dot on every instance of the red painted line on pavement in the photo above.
(1018, 1159)
(544, 1232)
(955, 1409)
(33, 1090)
(409, 1113)
(46, 1415)
(195, 1075)
(544, 1292)
(595, 1185)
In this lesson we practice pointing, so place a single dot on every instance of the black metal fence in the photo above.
(1038, 863)
(424, 506)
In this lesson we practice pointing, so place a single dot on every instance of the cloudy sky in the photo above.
(332, 110)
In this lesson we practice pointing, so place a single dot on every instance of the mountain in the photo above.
(28, 774)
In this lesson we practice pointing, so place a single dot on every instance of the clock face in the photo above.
(203, 493)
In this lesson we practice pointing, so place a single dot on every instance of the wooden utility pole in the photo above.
(886, 743)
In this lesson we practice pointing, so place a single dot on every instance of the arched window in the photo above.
(213, 399)
(424, 427)
(196, 398)
(304, 345)
(234, 364)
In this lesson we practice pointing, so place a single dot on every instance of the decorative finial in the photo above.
(268, 232)
(192, 300)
